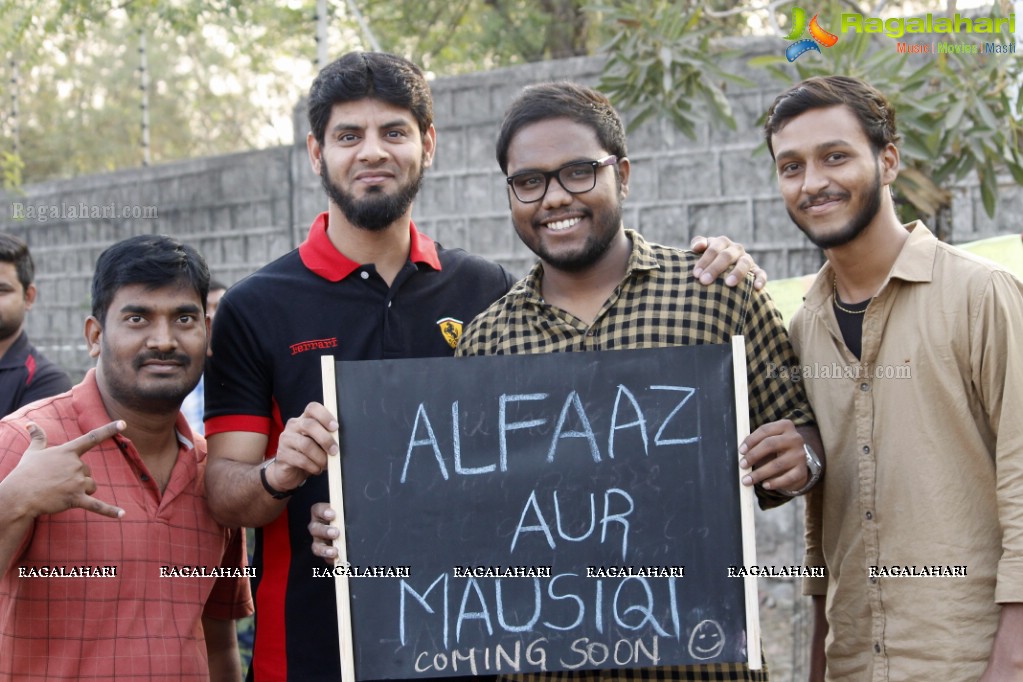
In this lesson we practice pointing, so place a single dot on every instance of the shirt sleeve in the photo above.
(773, 394)
(238, 381)
(231, 598)
(997, 365)
(470, 342)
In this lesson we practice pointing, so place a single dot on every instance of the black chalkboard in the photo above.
(499, 546)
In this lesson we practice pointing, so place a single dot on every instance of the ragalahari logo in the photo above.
(818, 36)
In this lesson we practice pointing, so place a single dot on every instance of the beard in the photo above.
(163, 397)
(376, 210)
(869, 208)
(606, 226)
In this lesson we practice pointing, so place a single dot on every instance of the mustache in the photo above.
(821, 198)
(179, 358)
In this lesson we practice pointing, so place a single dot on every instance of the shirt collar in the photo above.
(916, 260)
(322, 257)
(642, 257)
(915, 263)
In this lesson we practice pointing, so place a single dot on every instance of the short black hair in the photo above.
(154, 261)
(15, 251)
(369, 75)
(871, 108)
(562, 99)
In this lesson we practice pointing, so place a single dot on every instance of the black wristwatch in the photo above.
(274, 492)
(816, 467)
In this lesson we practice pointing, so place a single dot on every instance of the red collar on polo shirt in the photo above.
(319, 254)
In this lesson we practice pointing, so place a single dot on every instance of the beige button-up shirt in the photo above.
(924, 443)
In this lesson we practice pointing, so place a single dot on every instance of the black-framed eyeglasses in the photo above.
(576, 177)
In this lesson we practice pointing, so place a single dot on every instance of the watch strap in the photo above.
(816, 467)
(274, 492)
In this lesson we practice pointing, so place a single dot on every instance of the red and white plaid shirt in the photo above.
(134, 624)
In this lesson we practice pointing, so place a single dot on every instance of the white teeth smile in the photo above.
(562, 224)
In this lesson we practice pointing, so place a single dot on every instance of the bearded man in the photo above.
(920, 516)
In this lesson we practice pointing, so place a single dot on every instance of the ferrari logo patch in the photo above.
(451, 329)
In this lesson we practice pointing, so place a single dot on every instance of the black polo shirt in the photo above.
(271, 330)
(26, 376)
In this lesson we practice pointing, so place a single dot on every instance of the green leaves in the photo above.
(11, 166)
(955, 113)
(661, 63)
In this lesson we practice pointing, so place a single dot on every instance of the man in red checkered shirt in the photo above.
(112, 566)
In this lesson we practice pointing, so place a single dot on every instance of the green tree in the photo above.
(456, 36)
(221, 73)
(661, 61)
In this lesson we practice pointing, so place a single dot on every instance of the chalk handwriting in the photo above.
(627, 414)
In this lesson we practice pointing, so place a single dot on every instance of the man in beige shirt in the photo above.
(912, 355)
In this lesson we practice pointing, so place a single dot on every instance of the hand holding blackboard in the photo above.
(323, 533)
(775, 451)
(302, 450)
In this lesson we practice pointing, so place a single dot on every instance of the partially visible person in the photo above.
(920, 517)
(366, 284)
(195, 402)
(102, 497)
(25, 374)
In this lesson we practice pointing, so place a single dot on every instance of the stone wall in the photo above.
(236, 210)
(242, 210)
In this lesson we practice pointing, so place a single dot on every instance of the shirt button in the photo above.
(144, 478)
(877, 648)
(866, 449)
(364, 274)
(869, 515)
(864, 386)
(873, 579)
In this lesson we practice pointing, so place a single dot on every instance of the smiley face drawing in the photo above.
(707, 640)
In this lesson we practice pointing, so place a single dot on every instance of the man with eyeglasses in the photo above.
(599, 286)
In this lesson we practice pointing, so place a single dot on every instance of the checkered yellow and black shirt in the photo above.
(658, 304)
